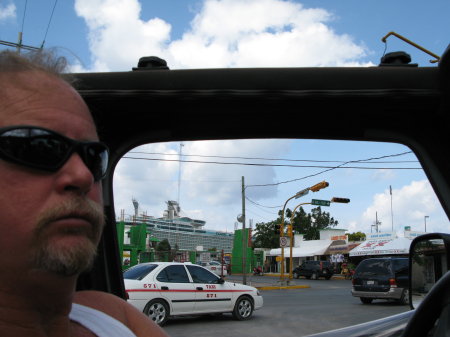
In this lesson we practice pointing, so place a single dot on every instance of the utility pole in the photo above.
(244, 241)
(179, 173)
(392, 214)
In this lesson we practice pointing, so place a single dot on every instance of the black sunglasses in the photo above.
(48, 150)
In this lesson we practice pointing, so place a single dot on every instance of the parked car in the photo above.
(165, 289)
(382, 278)
(216, 267)
(314, 270)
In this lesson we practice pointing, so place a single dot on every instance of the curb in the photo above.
(282, 287)
(335, 276)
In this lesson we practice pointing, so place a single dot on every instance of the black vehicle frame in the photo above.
(400, 104)
(382, 278)
(314, 269)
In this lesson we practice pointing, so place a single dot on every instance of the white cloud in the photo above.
(222, 183)
(223, 33)
(7, 12)
(208, 191)
(117, 36)
(150, 182)
(383, 174)
(410, 204)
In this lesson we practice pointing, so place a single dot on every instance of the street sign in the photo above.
(283, 241)
(317, 202)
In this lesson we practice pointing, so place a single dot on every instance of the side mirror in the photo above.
(220, 280)
(428, 262)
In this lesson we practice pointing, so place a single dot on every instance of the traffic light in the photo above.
(341, 200)
(319, 186)
(277, 229)
(289, 228)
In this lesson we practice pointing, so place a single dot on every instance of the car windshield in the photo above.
(138, 272)
(189, 200)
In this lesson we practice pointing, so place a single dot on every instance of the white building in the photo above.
(332, 241)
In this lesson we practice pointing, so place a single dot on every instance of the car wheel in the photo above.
(157, 311)
(295, 275)
(328, 277)
(243, 309)
(366, 300)
(314, 276)
(405, 297)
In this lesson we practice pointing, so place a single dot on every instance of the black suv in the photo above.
(314, 270)
(384, 278)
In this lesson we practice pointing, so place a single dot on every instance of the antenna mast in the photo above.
(179, 173)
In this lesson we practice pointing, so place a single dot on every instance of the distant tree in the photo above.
(312, 223)
(163, 251)
(357, 236)
(265, 236)
(308, 224)
(163, 246)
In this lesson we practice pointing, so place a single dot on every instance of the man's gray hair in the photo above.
(42, 60)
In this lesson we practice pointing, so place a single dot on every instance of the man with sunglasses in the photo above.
(51, 214)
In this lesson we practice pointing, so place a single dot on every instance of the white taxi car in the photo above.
(216, 267)
(165, 289)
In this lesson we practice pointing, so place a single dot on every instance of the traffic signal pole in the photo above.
(244, 241)
(291, 234)
(299, 194)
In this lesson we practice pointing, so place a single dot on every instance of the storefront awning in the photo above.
(305, 249)
(340, 247)
(382, 247)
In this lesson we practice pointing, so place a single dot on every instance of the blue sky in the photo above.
(98, 32)
(111, 35)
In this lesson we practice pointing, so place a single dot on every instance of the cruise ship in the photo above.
(182, 232)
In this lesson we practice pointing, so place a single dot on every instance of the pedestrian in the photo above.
(51, 213)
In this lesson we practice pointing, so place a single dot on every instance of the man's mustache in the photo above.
(76, 207)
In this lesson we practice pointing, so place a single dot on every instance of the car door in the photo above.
(211, 296)
(176, 287)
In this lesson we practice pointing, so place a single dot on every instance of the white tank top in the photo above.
(98, 322)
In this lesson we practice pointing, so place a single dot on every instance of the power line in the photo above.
(255, 203)
(270, 159)
(24, 14)
(278, 165)
(262, 217)
(48, 25)
(339, 166)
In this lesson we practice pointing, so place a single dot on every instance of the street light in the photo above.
(291, 234)
(319, 186)
(297, 195)
(425, 219)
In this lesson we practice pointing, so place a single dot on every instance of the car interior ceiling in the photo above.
(387, 104)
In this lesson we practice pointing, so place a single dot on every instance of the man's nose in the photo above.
(74, 175)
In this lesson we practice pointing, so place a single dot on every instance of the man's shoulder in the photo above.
(93, 298)
(109, 304)
(119, 309)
